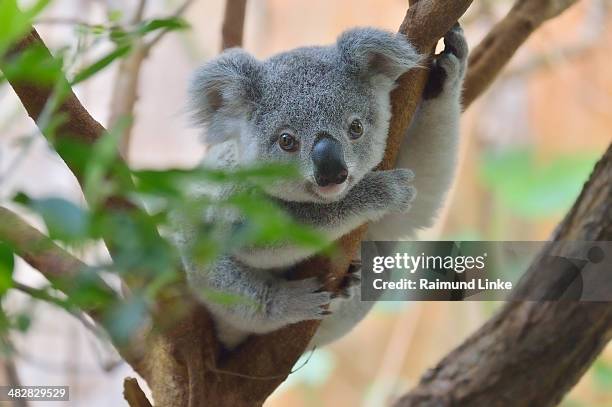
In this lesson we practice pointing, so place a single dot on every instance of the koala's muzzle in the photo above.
(328, 159)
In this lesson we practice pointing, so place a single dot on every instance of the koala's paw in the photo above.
(298, 300)
(402, 192)
(448, 68)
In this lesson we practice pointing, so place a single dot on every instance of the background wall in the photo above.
(527, 146)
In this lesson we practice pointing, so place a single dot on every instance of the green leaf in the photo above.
(169, 24)
(114, 15)
(225, 298)
(7, 264)
(86, 290)
(123, 320)
(266, 223)
(101, 63)
(34, 65)
(65, 220)
(173, 181)
(101, 156)
(15, 23)
(23, 322)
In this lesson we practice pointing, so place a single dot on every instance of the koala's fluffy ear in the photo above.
(223, 92)
(371, 52)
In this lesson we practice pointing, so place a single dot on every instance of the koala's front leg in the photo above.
(430, 148)
(244, 300)
(377, 194)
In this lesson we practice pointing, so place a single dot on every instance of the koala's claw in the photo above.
(454, 57)
(448, 68)
(299, 300)
(455, 43)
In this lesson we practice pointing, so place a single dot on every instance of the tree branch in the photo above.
(125, 88)
(79, 125)
(564, 337)
(501, 43)
(59, 267)
(233, 23)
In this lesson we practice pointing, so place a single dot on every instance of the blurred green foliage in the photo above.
(141, 238)
(534, 190)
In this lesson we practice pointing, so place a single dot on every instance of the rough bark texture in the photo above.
(80, 125)
(531, 353)
(184, 365)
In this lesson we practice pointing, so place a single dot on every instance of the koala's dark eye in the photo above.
(288, 142)
(356, 129)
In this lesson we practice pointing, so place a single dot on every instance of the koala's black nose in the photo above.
(328, 159)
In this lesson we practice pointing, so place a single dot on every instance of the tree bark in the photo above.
(532, 353)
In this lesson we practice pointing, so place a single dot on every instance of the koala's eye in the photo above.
(288, 142)
(356, 129)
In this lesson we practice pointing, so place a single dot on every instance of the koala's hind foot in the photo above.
(257, 302)
(448, 67)
(298, 300)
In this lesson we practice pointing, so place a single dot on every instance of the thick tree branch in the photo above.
(501, 43)
(79, 125)
(495, 366)
(37, 249)
(233, 23)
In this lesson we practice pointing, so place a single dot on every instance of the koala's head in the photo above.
(326, 109)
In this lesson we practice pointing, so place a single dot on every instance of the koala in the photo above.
(326, 110)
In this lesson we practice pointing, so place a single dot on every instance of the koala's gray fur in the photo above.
(314, 94)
